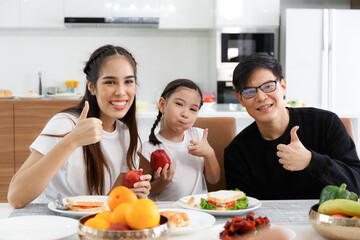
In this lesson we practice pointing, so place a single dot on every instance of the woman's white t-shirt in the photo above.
(188, 177)
(70, 180)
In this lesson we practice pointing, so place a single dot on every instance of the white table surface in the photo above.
(304, 231)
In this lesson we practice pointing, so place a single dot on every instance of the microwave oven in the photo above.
(234, 44)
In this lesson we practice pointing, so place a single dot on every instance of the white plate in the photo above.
(30, 97)
(217, 229)
(7, 97)
(37, 227)
(253, 204)
(199, 220)
(64, 97)
(52, 207)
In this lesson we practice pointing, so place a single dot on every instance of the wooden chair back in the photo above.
(222, 131)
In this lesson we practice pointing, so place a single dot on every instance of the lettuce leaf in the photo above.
(205, 205)
(241, 203)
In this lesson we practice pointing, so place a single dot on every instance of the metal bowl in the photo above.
(334, 227)
(159, 232)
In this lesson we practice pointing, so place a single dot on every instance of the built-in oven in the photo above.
(233, 45)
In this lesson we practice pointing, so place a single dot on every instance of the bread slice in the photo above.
(224, 196)
(177, 219)
(94, 201)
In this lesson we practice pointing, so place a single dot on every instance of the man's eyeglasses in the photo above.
(251, 92)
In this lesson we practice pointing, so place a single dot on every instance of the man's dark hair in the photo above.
(251, 63)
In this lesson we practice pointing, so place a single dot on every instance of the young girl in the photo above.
(188, 148)
(87, 149)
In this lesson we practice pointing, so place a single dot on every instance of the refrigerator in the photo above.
(322, 59)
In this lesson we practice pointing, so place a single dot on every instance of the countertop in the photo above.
(215, 110)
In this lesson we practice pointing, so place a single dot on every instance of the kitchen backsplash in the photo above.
(60, 55)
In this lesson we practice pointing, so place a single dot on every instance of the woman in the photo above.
(87, 149)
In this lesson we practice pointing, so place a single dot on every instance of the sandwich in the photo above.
(225, 200)
(87, 203)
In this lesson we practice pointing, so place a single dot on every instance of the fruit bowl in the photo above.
(334, 227)
(159, 232)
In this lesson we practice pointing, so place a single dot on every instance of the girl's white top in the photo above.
(188, 178)
(70, 180)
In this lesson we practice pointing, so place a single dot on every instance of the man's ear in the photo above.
(283, 86)
(239, 97)
(161, 105)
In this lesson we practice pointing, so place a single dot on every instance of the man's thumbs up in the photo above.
(85, 111)
(294, 137)
(293, 156)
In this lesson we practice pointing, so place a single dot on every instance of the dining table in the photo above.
(292, 215)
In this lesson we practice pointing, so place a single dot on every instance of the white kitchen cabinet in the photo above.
(247, 13)
(186, 14)
(9, 13)
(138, 8)
(41, 13)
(88, 8)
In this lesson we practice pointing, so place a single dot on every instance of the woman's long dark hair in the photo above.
(170, 89)
(95, 161)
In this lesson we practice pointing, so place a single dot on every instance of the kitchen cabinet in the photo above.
(88, 8)
(6, 148)
(20, 123)
(139, 8)
(245, 13)
(9, 13)
(186, 14)
(42, 13)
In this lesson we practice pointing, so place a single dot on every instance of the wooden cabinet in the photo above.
(20, 123)
(6, 147)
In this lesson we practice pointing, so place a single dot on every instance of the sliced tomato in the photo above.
(230, 204)
(211, 202)
(339, 215)
(83, 207)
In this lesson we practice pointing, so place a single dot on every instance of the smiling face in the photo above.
(115, 89)
(265, 108)
(180, 110)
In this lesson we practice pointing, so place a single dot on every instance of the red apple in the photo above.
(158, 159)
(131, 177)
(119, 227)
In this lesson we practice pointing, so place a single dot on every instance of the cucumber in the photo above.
(340, 206)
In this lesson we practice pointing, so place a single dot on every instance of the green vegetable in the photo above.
(205, 205)
(241, 203)
(333, 192)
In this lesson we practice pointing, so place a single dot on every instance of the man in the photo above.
(287, 153)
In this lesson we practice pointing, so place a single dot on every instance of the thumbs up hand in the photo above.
(293, 156)
(87, 130)
(201, 148)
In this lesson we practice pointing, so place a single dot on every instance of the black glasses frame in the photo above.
(260, 87)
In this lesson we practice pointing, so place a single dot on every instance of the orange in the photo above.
(143, 214)
(104, 215)
(97, 223)
(119, 195)
(118, 215)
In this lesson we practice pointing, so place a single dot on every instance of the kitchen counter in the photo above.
(215, 110)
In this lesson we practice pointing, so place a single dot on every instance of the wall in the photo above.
(60, 54)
